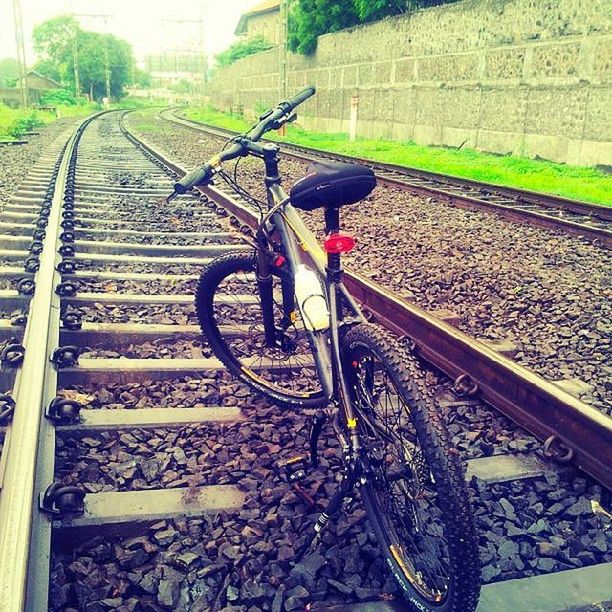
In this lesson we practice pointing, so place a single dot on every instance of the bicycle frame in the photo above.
(301, 246)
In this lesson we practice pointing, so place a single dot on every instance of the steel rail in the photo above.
(22, 552)
(441, 185)
(530, 401)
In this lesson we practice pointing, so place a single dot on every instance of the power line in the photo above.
(202, 38)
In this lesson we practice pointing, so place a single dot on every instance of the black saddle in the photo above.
(332, 184)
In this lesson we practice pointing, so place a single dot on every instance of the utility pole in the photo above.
(282, 57)
(283, 34)
(20, 51)
(75, 54)
(75, 61)
(203, 39)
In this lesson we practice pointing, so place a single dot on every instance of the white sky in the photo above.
(146, 24)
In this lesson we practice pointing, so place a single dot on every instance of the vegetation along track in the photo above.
(544, 295)
(176, 504)
(539, 209)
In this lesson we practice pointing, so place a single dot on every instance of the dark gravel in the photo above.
(172, 348)
(527, 528)
(176, 314)
(209, 388)
(157, 287)
(18, 160)
(545, 291)
(241, 561)
(135, 266)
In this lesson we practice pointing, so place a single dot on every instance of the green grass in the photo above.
(150, 123)
(15, 121)
(575, 182)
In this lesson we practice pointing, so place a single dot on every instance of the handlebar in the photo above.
(300, 97)
(271, 120)
(195, 177)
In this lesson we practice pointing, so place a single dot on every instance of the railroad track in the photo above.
(117, 421)
(542, 210)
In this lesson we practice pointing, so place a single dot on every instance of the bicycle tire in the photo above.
(366, 346)
(218, 319)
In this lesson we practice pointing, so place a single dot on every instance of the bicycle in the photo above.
(281, 320)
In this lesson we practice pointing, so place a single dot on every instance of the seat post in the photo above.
(332, 225)
(332, 219)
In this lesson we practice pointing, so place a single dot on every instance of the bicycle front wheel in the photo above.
(415, 497)
(229, 310)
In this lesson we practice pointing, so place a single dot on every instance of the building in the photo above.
(39, 82)
(173, 66)
(37, 85)
(261, 20)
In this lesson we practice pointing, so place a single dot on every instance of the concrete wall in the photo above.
(529, 77)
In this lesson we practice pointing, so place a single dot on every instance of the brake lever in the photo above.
(276, 125)
(266, 114)
(171, 197)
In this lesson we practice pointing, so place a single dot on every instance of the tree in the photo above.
(309, 19)
(57, 40)
(142, 78)
(121, 59)
(372, 10)
(242, 48)
(9, 72)
(49, 69)
(54, 40)
(183, 86)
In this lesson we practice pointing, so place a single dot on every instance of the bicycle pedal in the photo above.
(294, 468)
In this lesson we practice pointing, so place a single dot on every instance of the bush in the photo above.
(242, 48)
(24, 124)
(58, 96)
(309, 19)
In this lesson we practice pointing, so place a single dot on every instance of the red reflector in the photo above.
(338, 243)
(279, 261)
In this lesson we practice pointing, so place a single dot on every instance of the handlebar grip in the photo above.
(191, 179)
(301, 96)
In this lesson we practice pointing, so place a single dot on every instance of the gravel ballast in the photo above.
(543, 290)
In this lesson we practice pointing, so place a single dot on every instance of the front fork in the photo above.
(264, 286)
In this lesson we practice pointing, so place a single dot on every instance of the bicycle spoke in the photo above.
(403, 483)
(289, 364)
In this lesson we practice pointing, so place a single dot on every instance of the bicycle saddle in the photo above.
(332, 184)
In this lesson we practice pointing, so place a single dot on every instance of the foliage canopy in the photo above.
(308, 19)
(242, 48)
(60, 40)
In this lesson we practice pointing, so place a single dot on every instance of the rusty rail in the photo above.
(474, 194)
(530, 401)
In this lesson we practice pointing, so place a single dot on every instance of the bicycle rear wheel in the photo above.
(416, 498)
(230, 314)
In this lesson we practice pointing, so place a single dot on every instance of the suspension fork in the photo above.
(264, 286)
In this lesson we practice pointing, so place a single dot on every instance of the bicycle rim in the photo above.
(401, 496)
(229, 309)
